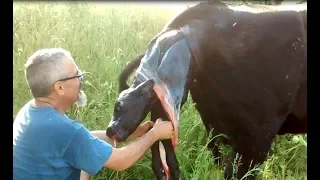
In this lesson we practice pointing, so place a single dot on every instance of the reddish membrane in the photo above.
(163, 160)
(162, 94)
(171, 50)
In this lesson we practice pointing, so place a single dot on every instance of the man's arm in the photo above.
(123, 158)
(141, 130)
(84, 176)
(88, 153)
(101, 134)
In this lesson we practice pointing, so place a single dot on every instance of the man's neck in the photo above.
(49, 102)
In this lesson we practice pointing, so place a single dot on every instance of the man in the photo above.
(49, 145)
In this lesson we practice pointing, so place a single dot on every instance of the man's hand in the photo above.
(163, 129)
(141, 130)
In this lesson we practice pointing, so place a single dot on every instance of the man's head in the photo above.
(52, 73)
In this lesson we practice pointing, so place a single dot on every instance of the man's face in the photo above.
(72, 93)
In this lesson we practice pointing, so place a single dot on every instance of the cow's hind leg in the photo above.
(245, 156)
(296, 120)
(215, 137)
(252, 142)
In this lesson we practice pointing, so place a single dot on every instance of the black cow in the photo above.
(247, 77)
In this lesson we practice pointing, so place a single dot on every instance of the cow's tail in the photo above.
(127, 71)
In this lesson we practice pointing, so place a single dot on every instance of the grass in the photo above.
(102, 40)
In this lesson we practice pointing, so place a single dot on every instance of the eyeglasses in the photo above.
(79, 76)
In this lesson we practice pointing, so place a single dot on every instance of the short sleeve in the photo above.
(87, 152)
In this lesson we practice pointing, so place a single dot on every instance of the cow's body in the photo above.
(248, 77)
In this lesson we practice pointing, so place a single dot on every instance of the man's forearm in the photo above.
(130, 153)
(134, 151)
(101, 134)
(132, 136)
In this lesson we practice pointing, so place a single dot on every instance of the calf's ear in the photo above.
(145, 87)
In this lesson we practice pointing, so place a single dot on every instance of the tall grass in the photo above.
(102, 40)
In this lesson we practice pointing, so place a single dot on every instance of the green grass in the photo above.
(102, 40)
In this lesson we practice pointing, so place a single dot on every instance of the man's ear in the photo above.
(145, 87)
(58, 88)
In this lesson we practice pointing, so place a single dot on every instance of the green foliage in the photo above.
(102, 39)
(263, 2)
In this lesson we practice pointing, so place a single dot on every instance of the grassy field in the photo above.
(102, 39)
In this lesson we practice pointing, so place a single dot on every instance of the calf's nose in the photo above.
(110, 132)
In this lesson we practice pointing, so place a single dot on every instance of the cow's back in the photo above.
(247, 67)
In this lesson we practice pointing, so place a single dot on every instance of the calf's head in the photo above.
(163, 71)
(131, 107)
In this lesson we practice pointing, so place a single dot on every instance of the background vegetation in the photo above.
(102, 38)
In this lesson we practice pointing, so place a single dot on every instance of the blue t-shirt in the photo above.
(49, 145)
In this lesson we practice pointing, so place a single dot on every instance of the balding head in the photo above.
(44, 68)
